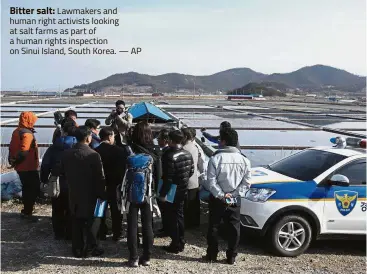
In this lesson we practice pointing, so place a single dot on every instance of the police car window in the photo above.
(355, 172)
(307, 164)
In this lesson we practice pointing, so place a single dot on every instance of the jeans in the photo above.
(30, 189)
(132, 230)
(231, 216)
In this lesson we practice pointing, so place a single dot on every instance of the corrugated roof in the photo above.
(142, 109)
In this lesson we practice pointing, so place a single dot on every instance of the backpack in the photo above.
(138, 179)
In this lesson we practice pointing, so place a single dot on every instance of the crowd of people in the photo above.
(122, 166)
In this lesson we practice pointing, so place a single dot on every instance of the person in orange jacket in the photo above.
(23, 156)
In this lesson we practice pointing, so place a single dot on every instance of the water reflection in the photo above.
(281, 137)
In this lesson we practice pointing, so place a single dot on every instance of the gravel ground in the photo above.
(30, 248)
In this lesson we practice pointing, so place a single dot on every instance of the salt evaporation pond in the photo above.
(197, 116)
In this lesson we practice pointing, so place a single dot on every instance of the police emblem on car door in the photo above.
(345, 201)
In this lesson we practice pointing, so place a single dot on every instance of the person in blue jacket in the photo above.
(51, 163)
(216, 139)
(95, 127)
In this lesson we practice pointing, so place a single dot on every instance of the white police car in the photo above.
(314, 192)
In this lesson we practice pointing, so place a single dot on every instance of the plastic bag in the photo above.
(10, 190)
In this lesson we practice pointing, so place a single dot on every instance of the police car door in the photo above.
(345, 206)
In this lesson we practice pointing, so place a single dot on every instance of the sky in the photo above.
(197, 38)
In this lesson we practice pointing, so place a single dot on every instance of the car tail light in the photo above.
(362, 143)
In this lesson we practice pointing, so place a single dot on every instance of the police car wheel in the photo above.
(291, 235)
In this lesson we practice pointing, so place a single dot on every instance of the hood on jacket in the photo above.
(27, 119)
(65, 142)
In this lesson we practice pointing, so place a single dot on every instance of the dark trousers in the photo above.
(192, 209)
(175, 215)
(85, 231)
(115, 215)
(231, 217)
(165, 220)
(132, 230)
(61, 219)
(30, 189)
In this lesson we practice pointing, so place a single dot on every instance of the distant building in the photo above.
(112, 95)
(88, 94)
(245, 97)
(157, 94)
(334, 98)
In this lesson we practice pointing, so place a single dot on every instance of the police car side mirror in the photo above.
(339, 180)
(203, 139)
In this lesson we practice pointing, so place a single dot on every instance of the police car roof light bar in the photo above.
(352, 142)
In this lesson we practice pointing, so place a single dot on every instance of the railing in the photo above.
(208, 149)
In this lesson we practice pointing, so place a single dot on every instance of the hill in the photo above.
(266, 89)
(317, 76)
(308, 78)
(174, 81)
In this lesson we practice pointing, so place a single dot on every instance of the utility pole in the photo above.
(194, 86)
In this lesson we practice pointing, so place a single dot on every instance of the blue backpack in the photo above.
(138, 179)
(66, 142)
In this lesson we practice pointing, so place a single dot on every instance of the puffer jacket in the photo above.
(178, 167)
(228, 172)
(23, 148)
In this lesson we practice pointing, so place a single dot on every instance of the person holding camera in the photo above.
(228, 178)
(120, 121)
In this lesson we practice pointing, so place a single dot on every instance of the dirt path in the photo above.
(30, 248)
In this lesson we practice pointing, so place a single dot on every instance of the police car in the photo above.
(317, 191)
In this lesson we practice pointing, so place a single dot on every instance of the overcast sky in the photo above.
(199, 38)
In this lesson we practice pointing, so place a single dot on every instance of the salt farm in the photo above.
(268, 130)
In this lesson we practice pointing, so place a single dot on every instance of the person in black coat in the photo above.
(51, 162)
(163, 139)
(142, 142)
(178, 167)
(114, 159)
(83, 171)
